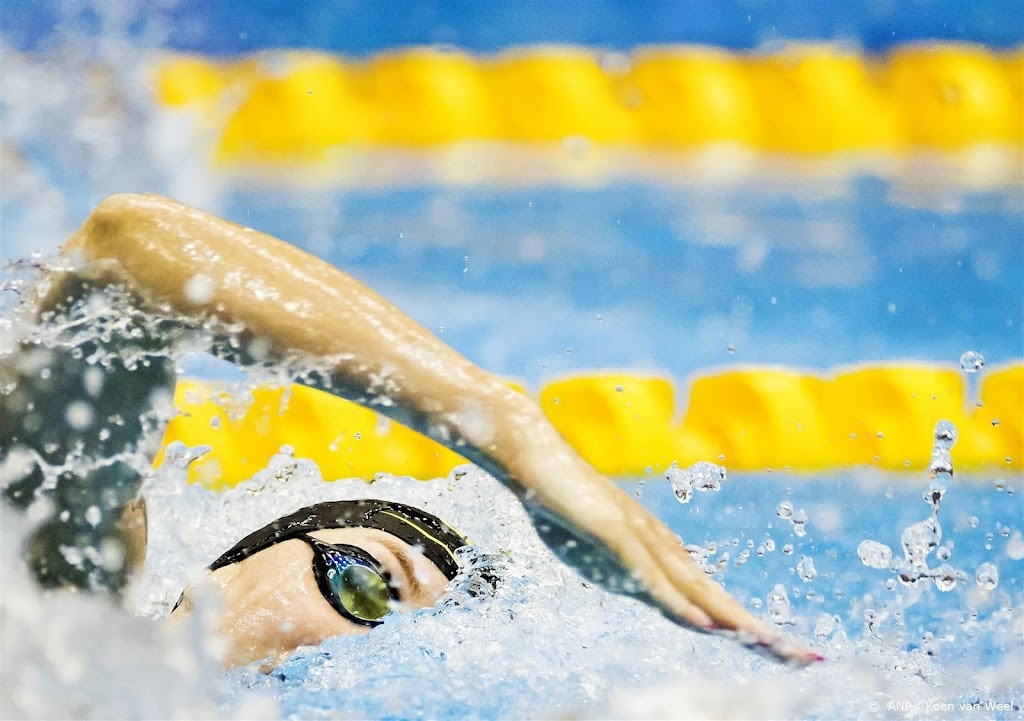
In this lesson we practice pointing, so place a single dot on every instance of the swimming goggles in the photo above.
(352, 580)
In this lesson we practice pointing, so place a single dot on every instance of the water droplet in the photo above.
(873, 619)
(618, 389)
(788, 549)
(987, 576)
(784, 509)
(805, 568)
(972, 361)
(919, 539)
(93, 516)
(92, 380)
(111, 555)
(707, 476)
(799, 520)
(779, 609)
(824, 626)
(79, 415)
(702, 476)
(1015, 546)
(680, 481)
(199, 289)
(874, 554)
(945, 577)
(73, 555)
(943, 553)
(945, 434)
(178, 455)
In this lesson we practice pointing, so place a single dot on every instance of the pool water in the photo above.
(546, 643)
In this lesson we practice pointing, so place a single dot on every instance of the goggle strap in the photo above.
(437, 551)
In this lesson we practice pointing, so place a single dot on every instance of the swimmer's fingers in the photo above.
(603, 517)
(680, 587)
(726, 612)
(656, 558)
(674, 602)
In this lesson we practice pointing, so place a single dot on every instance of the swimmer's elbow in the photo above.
(112, 225)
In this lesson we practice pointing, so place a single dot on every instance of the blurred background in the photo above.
(664, 189)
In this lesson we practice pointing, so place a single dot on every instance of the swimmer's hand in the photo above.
(612, 540)
(191, 263)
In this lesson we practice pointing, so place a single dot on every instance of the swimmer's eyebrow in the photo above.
(407, 568)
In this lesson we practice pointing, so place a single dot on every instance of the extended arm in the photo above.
(189, 262)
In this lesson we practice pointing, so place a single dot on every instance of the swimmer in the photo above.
(365, 558)
(190, 272)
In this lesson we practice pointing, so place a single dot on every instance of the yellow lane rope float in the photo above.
(803, 99)
(626, 425)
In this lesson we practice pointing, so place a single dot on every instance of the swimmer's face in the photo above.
(272, 604)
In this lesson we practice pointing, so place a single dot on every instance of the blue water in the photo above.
(844, 511)
(360, 27)
(528, 659)
(536, 282)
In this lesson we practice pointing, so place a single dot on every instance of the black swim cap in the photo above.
(438, 540)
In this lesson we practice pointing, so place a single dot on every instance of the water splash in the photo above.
(940, 469)
(797, 517)
(920, 539)
(703, 476)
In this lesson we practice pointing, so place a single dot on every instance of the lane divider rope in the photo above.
(754, 419)
(295, 107)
